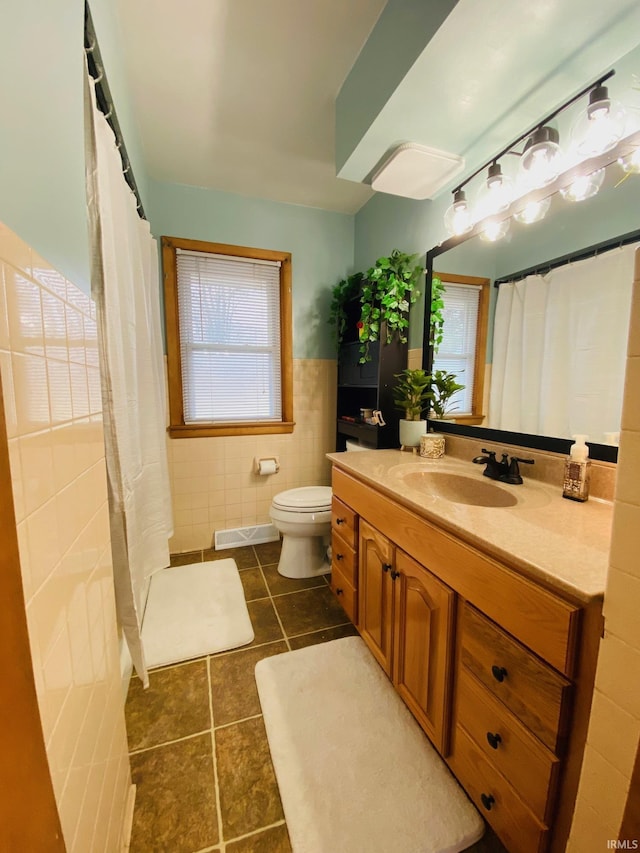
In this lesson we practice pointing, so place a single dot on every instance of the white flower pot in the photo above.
(410, 432)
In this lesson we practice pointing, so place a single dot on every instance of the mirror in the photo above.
(568, 228)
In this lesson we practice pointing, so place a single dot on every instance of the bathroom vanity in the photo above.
(482, 603)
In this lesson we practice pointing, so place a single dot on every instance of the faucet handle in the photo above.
(513, 475)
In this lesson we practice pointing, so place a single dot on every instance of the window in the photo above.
(464, 342)
(229, 352)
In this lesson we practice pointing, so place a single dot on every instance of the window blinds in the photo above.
(229, 319)
(457, 351)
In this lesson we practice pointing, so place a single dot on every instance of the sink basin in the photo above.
(459, 489)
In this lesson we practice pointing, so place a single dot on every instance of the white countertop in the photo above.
(563, 543)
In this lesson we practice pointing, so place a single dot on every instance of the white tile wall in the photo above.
(48, 359)
(614, 727)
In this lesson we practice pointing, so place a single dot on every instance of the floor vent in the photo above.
(235, 537)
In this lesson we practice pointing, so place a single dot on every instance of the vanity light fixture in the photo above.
(494, 229)
(631, 163)
(495, 194)
(532, 211)
(583, 187)
(457, 219)
(601, 126)
(542, 158)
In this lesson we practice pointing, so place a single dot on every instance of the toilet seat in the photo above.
(304, 499)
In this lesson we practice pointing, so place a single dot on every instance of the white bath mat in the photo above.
(355, 771)
(195, 610)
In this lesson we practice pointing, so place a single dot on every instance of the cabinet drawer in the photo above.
(534, 692)
(505, 743)
(343, 558)
(345, 593)
(518, 829)
(344, 521)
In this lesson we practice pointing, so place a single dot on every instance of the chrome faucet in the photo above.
(505, 471)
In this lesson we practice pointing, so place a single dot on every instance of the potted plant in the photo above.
(443, 387)
(412, 395)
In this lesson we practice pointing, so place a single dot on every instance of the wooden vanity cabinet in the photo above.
(344, 557)
(406, 619)
(497, 670)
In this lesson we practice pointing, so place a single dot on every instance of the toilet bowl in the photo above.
(303, 516)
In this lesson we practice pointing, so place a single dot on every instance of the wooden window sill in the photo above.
(210, 430)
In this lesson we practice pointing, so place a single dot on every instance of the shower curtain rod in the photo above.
(105, 101)
(579, 255)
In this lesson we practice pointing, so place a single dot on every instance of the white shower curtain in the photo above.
(125, 288)
(559, 348)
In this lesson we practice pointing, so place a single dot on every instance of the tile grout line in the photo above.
(236, 722)
(273, 604)
(216, 781)
(168, 742)
(258, 831)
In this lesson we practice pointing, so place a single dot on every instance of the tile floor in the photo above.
(199, 752)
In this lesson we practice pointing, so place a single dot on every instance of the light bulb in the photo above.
(631, 163)
(583, 187)
(542, 158)
(458, 219)
(494, 229)
(495, 195)
(533, 211)
(600, 127)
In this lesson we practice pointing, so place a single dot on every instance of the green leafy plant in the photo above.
(388, 289)
(413, 393)
(345, 290)
(443, 387)
(437, 313)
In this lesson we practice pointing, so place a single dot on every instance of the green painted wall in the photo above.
(42, 188)
(42, 183)
(321, 243)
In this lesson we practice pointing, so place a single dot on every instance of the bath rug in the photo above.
(195, 610)
(354, 769)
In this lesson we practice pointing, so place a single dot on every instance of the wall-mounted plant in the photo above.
(437, 313)
(344, 291)
(388, 289)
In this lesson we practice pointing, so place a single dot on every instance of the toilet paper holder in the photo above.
(267, 465)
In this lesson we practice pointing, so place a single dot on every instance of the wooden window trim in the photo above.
(177, 427)
(476, 415)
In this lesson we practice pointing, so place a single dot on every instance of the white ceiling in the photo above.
(238, 95)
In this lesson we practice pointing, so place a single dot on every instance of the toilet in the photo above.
(303, 517)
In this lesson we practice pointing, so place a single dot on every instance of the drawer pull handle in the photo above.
(394, 575)
(494, 740)
(339, 556)
(339, 591)
(487, 801)
(386, 567)
(341, 520)
(499, 672)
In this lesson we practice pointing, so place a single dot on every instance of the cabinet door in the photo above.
(423, 622)
(375, 560)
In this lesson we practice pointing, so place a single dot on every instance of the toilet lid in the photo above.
(305, 499)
